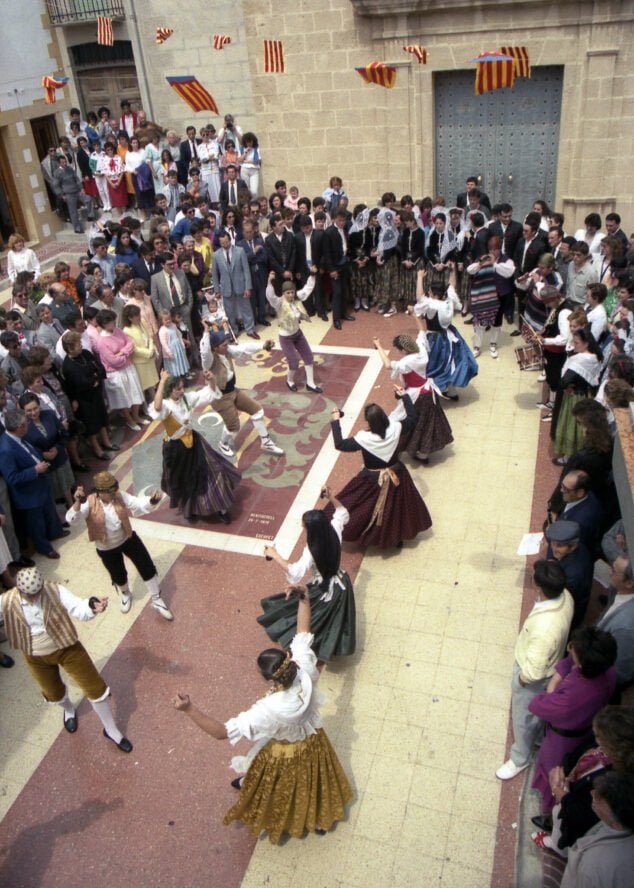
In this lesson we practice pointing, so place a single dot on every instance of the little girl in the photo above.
(292, 198)
(174, 356)
(214, 315)
(177, 317)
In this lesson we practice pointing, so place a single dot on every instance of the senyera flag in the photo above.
(163, 34)
(221, 40)
(494, 71)
(521, 60)
(50, 84)
(193, 92)
(419, 51)
(379, 73)
(104, 31)
(273, 57)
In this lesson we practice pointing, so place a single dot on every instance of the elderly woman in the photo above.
(293, 781)
(122, 387)
(107, 512)
(329, 588)
(45, 432)
(84, 375)
(582, 684)
(199, 482)
(384, 505)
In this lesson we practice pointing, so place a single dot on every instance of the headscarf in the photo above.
(29, 581)
(388, 237)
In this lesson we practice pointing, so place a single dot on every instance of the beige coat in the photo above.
(542, 639)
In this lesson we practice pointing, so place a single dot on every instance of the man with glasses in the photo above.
(21, 303)
(582, 506)
(169, 289)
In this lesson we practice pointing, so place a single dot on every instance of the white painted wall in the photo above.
(25, 54)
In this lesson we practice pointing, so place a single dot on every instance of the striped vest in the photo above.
(59, 626)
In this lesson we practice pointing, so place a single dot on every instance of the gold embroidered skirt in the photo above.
(291, 788)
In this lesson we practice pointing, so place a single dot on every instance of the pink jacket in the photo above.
(115, 350)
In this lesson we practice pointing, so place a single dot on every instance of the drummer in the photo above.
(553, 338)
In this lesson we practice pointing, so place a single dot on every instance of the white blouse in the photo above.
(182, 409)
(24, 260)
(291, 715)
(298, 570)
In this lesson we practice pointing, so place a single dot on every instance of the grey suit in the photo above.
(231, 280)
(162, 298)
(47, 336)
(620, 622)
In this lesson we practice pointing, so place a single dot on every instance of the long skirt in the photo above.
(198, 481)
(118, 194)
(567, 432)
(387, 281)
(432, 431)
(408, 284)
(451, 361)
(436, 277)
(61, 479)
(405, 515)
(291, 788)
(333, 623)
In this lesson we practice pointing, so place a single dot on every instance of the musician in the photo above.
(529, 248)
(553, 338)
(491, 284)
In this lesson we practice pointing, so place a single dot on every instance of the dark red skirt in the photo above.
(405, 514)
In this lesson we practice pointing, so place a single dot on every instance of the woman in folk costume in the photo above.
(359, 260)
(545, 275)
(412, 255)
(199, 482)
(107, 514)
(451, 361)
(432, 431)
(384, 505)
(387, 263)
(290, 314)
(292, 779)
(329, 588)
(37, 620)
(579, 380)
(441, 246)
(491, 280)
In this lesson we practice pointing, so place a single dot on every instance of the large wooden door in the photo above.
(11, 215)
(108, 86)
(508, 138)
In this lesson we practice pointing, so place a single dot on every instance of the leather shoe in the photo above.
(323, 316)
(349, 318)
(516, 333)
(543, 821)
(253, 335)
(6, 661)
(291, 386)
(337, 325)
(124, 744)
(265, 323)
(113, 447)
(71, 724)
(23, 561)
(225, 517)
(53, 555)
(317, 389)
(60, 536)
(81, 467)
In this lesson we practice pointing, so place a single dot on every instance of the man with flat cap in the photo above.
(566, 547)
(37, 620)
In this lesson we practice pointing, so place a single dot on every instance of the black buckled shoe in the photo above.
(124, 744)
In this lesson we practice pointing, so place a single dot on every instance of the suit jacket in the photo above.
(621, 624)
(241, 186)
(234, 279)
(141, 270)
(316, 250)
(185, 159)
(334, 257)
(48, 166)
(161, 296)
(281, 255)
(589, 516)
(536, 249)
(461, 200)
(510, 237)
(47, 336)
(258, 261)
(28, 488)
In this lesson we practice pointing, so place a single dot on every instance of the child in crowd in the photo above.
(292, 198)
(172, 345)
(179, 323)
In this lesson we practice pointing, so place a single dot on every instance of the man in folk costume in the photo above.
(290, 313)
(217, 355)
(107, 513)
(37, 620)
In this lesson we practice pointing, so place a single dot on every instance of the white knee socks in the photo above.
(67, 706)
(259, 425)
(152, 585)
(310, 376)
(102, 708)
(291, 375)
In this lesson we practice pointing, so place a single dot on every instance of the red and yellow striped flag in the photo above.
(193, 92)
(273, 57)
(104, 31)
(521, 60)
(493, 71)
(162, 34)
(379, 73)
(50, 84)
(221, 40)
(419, 51)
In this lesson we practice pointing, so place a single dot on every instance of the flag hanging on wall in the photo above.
(379, 73)
(221, 40)
(493, 71)
(163, 34)
(419, 51)
(193, 92)
(521, 60)
(50, 84)
(273, 57)
(104, 31)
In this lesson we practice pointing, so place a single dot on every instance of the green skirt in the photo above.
(568, 433)
(333, 623)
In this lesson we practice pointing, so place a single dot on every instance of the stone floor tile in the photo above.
(425, 830)
(486, 722)
(399, 740)
(477, 799)
(416, 676)
(410, 708)
(469, 844)
(440, 750)
(410, 867)
(492, 690)
(445, 715)
(459, 650)
(390, 777)
(368, 861)
(453, 876)
(454, 682)
(433, 788)
(380, 819)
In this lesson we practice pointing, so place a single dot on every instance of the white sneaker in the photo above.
(126, 601)
(270, 446)
(144, 421)
(509, 770)
(133, 426)
(494, 351)
(226, 450)
(390, 313)
(159, 605)
(541, 377)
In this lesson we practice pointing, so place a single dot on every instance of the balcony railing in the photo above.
(73, 12)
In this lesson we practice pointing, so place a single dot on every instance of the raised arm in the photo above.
(382, 353)
(158, 397)
(206, 723)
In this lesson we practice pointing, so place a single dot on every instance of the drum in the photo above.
(529, 357)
